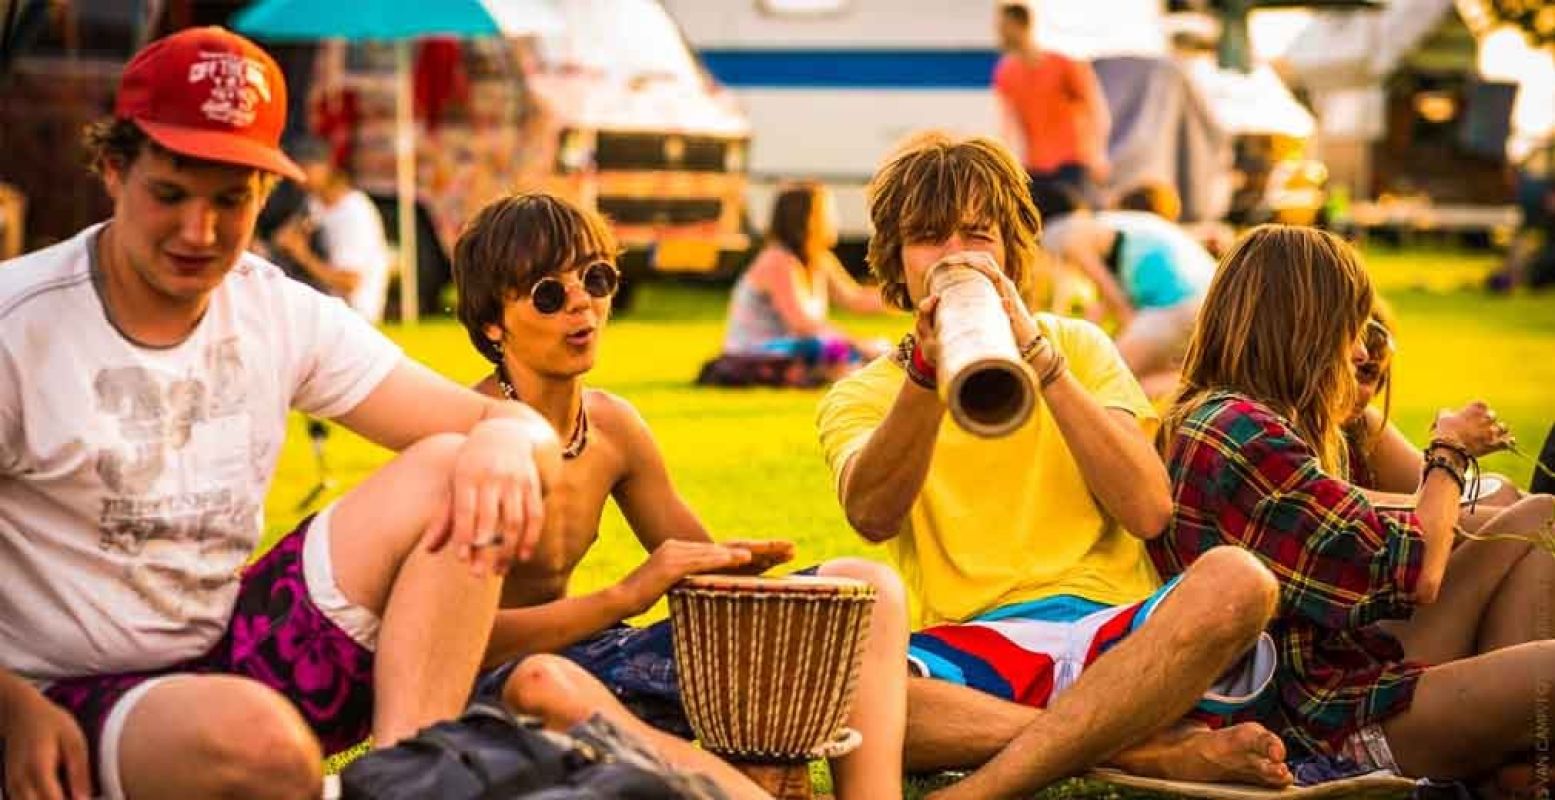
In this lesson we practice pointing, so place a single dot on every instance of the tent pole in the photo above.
(405, 149)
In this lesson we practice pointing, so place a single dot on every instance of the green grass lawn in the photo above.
(748, 461)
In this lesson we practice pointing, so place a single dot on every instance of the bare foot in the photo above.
(1245, 753)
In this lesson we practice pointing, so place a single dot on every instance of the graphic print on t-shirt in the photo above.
(176, 469)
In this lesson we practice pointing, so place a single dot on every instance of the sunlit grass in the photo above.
(748, 462)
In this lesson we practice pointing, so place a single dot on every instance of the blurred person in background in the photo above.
(1160, 199)
(353, 263)
(1151, 276)
(1052, 109)
(781, 305)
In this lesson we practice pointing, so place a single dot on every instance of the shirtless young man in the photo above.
(535, 276)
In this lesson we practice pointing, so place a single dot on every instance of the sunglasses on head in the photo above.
(1378, 340)
(600, 280)
(1379, 353)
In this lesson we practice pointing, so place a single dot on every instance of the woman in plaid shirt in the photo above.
(1388, 637)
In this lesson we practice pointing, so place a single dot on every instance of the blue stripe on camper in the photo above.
(852, 69)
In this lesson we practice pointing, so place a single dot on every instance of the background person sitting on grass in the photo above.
(781, 304)
(1151, 276)
(535, 276)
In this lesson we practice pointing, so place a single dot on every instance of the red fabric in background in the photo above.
(440, 78)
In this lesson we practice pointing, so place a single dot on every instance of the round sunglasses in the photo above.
(600, 280)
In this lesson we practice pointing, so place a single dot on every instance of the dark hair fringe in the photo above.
(513, 242)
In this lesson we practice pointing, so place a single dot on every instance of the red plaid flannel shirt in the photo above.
(1241, 476)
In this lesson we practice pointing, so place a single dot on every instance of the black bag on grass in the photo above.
(489, 754)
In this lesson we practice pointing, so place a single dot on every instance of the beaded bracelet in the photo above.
(1032, 347)
(1445, 465)
(920, 370)
(910, 356)
(1054, 370)
(1466, 476)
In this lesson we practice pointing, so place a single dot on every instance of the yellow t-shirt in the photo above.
(1005, 520)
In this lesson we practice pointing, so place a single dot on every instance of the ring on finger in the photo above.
(489, 540)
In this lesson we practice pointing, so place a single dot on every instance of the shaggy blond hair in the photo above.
(932, 186)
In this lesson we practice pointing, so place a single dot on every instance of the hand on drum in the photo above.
(1022, 323)
(765, 554)
(675, 559)
(1475, 428)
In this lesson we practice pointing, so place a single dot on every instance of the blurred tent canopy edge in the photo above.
(398, 21)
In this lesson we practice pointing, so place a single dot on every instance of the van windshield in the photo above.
(629, 39)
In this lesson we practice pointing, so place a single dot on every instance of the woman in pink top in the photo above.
(781, 303)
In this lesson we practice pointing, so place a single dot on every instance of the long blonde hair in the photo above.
(1278, 325)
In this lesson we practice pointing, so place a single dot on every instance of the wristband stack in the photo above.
(910, 355)
(1457, 462)
(1055, 366)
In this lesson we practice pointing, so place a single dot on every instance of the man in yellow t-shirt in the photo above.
(1024, 555)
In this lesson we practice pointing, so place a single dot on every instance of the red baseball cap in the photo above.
(211, 94)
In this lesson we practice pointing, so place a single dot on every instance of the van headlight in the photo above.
(734, 156)
(576, 151)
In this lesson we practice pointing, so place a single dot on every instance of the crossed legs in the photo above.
(1137, 690)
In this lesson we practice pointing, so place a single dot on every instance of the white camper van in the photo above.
(831, 85)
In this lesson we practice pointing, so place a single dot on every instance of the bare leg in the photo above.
(1523, 607)
(1435, 738)
(956, 727)
(562, 694)
(874, 770)
(217, 736)
(436, 616)
(950, 726)
(1143, 685)
(1478, 592)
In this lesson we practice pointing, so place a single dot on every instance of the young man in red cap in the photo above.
(147, 367)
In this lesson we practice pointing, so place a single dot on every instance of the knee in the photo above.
(1536, 510)
(537, 682)
(258, 746)
(434, 454)
(1241, 594)
(890, 595)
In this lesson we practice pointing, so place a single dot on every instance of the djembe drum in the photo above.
(767, 670)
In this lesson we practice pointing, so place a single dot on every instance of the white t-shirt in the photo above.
(354, 241)
(133, 479)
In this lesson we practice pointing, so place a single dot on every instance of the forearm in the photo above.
(1438, 514)
(1118, 465)
(550, 627)
(883, 480)
(336, 280)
